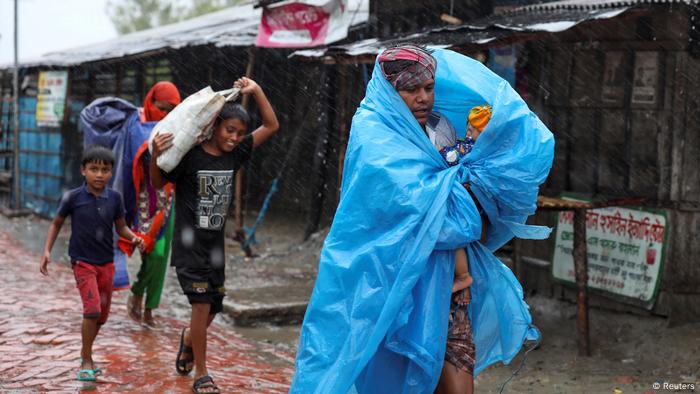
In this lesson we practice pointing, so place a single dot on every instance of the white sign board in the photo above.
(51, 98)
(646, 77)
(625, 250)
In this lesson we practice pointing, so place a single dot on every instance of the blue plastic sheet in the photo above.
(115, 124)
(378, 314)
(514, 153)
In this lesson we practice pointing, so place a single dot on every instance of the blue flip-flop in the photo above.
(86, 375)
(96, 371)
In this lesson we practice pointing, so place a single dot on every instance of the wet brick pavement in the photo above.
(40, 341)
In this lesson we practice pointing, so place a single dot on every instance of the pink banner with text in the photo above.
(303, 24)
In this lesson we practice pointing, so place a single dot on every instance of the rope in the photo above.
(250, 231)
(522, 363)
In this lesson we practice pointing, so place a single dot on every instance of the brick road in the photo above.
(40, 341)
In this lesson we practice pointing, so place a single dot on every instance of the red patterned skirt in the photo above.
(460, 350)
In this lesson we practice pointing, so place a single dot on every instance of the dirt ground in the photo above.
(630, 353)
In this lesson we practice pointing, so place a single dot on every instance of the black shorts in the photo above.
(203, 285)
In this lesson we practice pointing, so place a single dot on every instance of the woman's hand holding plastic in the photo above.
(246, 85)
(138, 242)
(161, 143)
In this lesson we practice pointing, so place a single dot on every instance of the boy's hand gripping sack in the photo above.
(190, 123)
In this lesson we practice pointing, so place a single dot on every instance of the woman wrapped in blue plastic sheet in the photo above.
(378, 315)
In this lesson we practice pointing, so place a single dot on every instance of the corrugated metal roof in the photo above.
(478, 32)
(596, 4)
(231, 26)
(235, 26)
(531, 21)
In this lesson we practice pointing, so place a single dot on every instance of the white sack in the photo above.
(191, 123)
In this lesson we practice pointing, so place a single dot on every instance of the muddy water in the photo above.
(630, 352)
(279, 277)
(40, 341)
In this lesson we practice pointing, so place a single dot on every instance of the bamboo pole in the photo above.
(240, 175)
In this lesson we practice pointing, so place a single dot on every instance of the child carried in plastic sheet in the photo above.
(477, 120)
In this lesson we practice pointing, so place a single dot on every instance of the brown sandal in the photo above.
(180, 363)
(205, 382)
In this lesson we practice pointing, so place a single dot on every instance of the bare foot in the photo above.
(462, 282)
(133, 307)
(87, 364)
(148, 318)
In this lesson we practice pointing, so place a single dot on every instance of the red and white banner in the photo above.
(303, 24)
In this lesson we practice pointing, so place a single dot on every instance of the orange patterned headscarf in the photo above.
(479, 117)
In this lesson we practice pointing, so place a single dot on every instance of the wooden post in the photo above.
(118, 77)
(342, 123)
(15, 120)
(240, 175)
(581, 268)
(318, 175)
(249, 74)
(518, 259)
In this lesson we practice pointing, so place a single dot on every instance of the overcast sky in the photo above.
(49, 25)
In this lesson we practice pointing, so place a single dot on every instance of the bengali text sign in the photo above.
(625, 249)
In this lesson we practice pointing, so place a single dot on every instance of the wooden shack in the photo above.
(615, 81)
(213, 49)
(621, 97)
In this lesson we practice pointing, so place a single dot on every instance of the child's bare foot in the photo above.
(87, 364)
(148, 318)
(462, 282)
(133, 307)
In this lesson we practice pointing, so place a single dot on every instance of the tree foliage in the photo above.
(134, 15)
